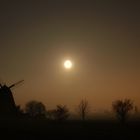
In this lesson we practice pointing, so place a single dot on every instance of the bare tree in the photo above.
(83, 109)
(122, 109)
(61, 113)
(35, 109)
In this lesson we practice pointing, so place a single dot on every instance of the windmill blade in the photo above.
(16, 84)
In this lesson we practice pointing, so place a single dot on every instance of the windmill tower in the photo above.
(7, 103)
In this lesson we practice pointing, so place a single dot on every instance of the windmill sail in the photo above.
(7, 103)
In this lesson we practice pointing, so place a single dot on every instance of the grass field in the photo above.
(43, 129)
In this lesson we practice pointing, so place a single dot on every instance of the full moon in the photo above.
(68, 64)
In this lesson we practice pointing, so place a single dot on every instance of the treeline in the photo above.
(35, 109)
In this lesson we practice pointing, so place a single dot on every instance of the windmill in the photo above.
(7, 103)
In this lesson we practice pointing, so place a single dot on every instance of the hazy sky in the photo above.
(101, 37)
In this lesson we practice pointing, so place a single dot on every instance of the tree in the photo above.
(50, 114)
(83, 109)
(19, 110)
(35, 109)
(61, 113)
(122, 109)
(136, 110)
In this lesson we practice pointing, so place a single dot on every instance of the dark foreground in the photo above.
(43, 129)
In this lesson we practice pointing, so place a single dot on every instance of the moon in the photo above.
(68, 64)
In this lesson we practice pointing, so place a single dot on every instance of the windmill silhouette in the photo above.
(7, 103)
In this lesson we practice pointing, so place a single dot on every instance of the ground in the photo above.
(43, 129)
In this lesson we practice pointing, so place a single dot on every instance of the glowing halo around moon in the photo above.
(67, 64)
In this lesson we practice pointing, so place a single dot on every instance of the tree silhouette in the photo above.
(50, 114)
(136, 110)
(122, 109)
(61, 113)
(83, 109)
(19, 110)
(35, 109)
